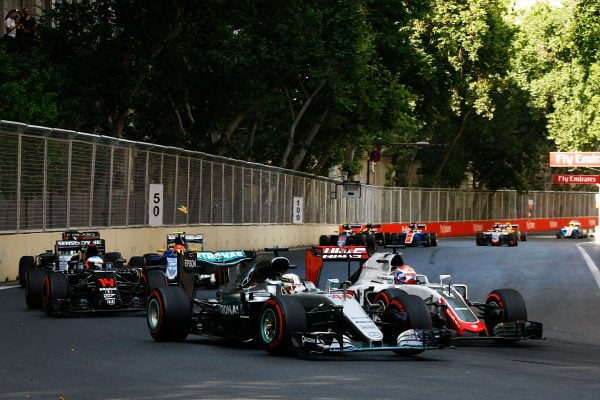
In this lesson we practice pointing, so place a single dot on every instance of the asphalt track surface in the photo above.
(114, 357)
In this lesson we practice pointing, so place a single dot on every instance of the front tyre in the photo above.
(26, 263)
(56, 288)
(403, 313)
(506, 305)
(278, 319)
(169, 314)
(34, 287)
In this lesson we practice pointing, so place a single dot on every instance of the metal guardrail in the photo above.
(53, 179)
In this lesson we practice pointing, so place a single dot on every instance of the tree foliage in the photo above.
(308, 84)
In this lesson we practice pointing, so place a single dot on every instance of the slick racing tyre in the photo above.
(333, 240)
(558, 234)
(34, 287)
(506, 305)
(113, 257)
(359, 240)
(426, 240)
(323, 240)
(387, 238)
(279, 318)
(169, 314)
(136, 262)
(25, 264)
(153, 279)
(384, 298)
(523, 236)
(56, 287)
(433, 237)
(405, 312)
(480, 239)
(371, 244)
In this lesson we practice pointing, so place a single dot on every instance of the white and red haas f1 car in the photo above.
(502, 316)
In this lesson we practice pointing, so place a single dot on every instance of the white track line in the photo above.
(7, 287)
(590, 264)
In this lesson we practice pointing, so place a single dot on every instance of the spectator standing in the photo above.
(28, 30)
(10, 28)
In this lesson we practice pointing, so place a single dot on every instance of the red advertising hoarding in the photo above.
(575, 159)
(577, 179)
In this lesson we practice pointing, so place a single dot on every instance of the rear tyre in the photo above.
(323, 240)
(433, 237)
(405, 312)
(480, 239)
(34, 287)
(26, 263)
(511, 240)
(426, 239)
(523, 236)
(154, 279)
(169, 314)
(114, 257)
(136, 262)
(507, 305)
(371, 244)
(279, 318)
(333, 240)
(56, 287)
(359, 240)
(394, 238)
(387, 238)
(558, 234)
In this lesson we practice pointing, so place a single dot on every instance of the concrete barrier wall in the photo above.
(132, 242)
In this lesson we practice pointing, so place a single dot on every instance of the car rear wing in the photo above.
(76, 235)
(315, 256)
(350, 227)
(188, 238)
(191, 263)
(80, 245)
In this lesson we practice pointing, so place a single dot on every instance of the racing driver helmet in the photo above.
(405, 275)
(94, 263)
(291, 283)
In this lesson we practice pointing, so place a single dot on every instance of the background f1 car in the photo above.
(83, 286)
(415, 235)
(571, 231)
(166, 261)
(353, 235)
(498, 235)
(253, 307)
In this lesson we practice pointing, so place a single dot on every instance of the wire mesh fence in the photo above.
(52, 179)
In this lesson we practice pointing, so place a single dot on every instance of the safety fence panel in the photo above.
(52, 179)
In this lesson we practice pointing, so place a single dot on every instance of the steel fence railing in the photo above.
(52, 179)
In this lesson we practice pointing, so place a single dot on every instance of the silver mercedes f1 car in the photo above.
(262, 303)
